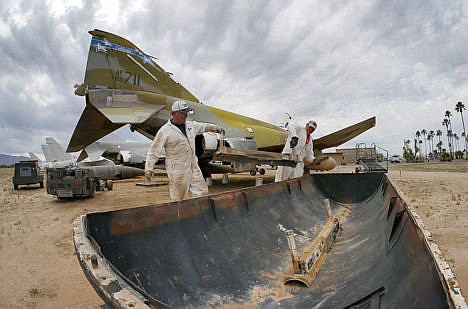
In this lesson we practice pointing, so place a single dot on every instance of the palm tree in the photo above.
(446, 124)
(418, 134)
(466, 143)
(439, 146)
(448, 114)
(423, 132)
(439, 133)
(406, 144)
(430, 138)
(457, 145)
(459, 108)
(450, 137)
(407, 152)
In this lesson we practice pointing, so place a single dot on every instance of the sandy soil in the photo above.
(40, 270)
(439, 194)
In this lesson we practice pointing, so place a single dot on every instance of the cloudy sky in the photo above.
(337, 62)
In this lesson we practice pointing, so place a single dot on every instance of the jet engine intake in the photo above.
(206, 144)
(123, 157)
(130, 158)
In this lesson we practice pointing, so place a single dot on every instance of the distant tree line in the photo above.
(443, 149)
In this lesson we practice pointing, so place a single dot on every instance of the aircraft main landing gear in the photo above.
(261, 171)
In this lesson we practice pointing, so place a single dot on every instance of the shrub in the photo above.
(445, 156)
(459, 154)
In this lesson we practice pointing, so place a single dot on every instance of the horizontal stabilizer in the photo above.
(92, 126)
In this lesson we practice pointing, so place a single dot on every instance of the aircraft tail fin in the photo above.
(33, 156)
(116, 63)
(47, 154)
(55, 150)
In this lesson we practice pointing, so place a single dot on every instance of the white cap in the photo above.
(181, 106)
(312, 124)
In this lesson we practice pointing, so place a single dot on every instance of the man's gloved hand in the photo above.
(148, 175)
(293, 142)
(219, 130)
(81, 89)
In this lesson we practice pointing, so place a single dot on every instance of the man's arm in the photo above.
(292, 135)
(310, 151)
(155, 151)
(207, 127)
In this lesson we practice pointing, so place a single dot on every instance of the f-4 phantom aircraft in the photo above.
(123, 85)
(117, 149)
(56, 157)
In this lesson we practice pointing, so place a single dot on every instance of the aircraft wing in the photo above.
(339, 137)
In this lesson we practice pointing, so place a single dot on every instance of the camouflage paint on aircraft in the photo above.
(123, 85)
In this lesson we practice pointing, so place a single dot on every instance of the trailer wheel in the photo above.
(109, 185)
(261, 171)
(253, 172)
(91, 193)
(92, 187)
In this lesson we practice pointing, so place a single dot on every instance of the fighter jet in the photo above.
(104, 168)
(123, 85)
(117, 149)
(55, 155)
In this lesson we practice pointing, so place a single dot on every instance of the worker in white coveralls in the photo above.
(299, 146)
(177, 139)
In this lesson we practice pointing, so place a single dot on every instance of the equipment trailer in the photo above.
(74, 182)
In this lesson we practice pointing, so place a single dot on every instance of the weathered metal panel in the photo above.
(231, 248)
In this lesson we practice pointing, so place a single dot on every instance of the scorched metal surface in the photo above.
(231, 249)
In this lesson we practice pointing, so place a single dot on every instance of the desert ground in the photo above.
(40, 270)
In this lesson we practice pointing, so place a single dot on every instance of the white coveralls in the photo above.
(298, 153)
(181, 162)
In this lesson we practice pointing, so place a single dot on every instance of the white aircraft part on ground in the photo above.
(102, 167)
(117, 149)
